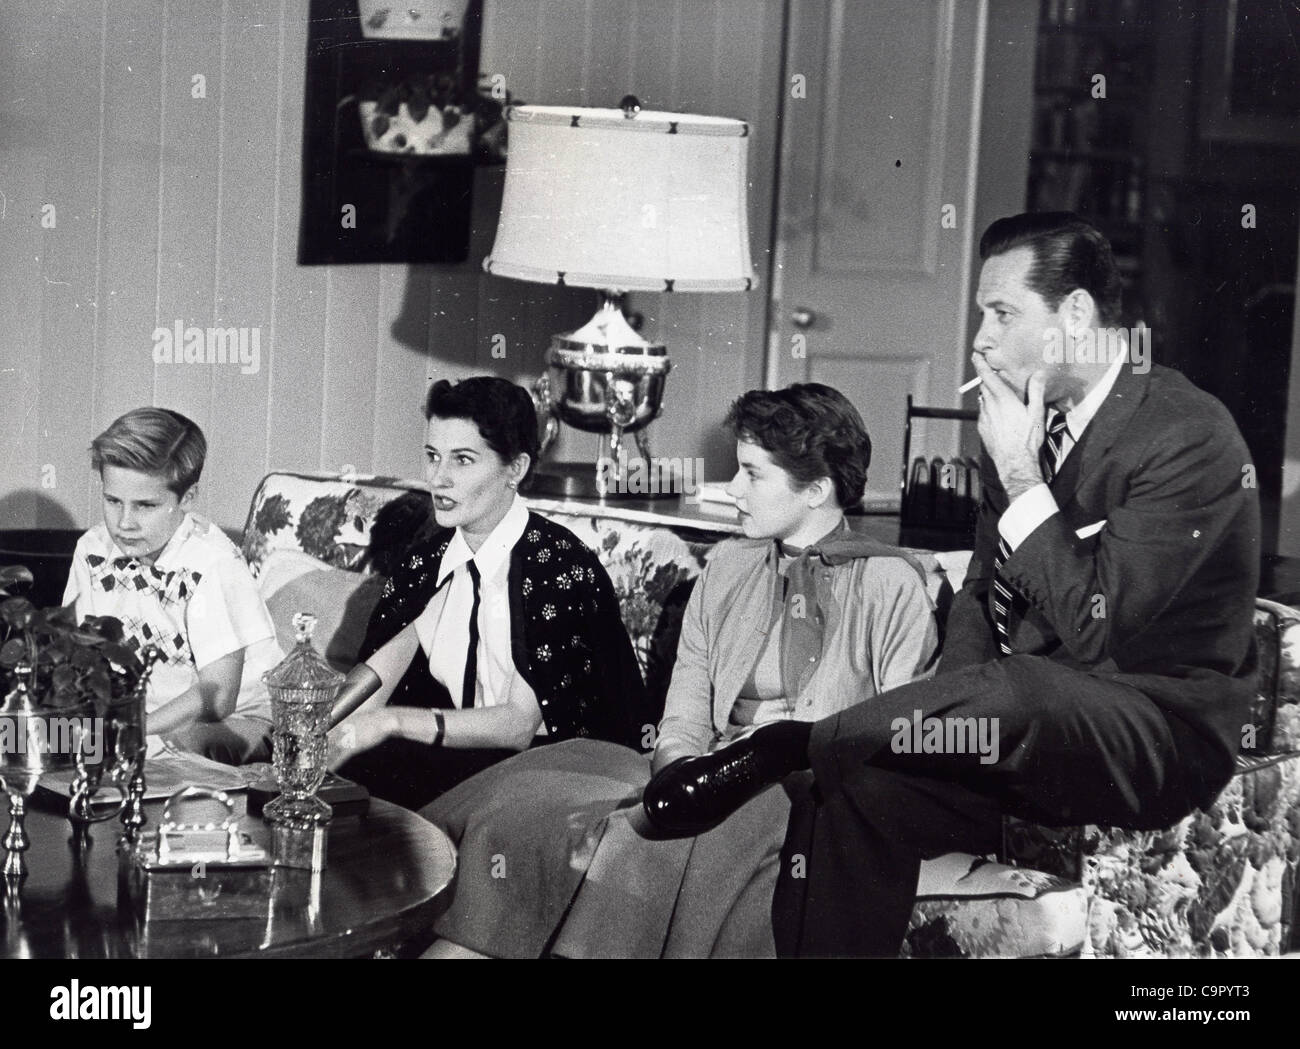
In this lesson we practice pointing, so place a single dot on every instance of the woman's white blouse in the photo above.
(443, 626)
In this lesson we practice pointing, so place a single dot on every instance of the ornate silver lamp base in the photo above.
(603, 379)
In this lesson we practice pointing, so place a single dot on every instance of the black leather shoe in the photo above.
(694, 795)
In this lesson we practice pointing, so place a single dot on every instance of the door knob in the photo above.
(802, 317)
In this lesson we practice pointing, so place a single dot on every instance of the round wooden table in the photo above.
(383, 887)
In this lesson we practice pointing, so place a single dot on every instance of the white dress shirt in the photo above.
(443, 626)
(1030, 509)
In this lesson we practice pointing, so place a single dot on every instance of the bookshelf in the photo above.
(1092, 82)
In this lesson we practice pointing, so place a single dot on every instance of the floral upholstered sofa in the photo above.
(1222, 882)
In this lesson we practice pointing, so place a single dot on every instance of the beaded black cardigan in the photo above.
(566, 634)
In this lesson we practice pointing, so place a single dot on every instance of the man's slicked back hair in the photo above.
(1068, 252)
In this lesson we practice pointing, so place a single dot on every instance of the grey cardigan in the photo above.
(880, 633)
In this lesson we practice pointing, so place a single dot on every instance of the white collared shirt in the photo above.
(1030, 509)
(218, 612)
(443, 626)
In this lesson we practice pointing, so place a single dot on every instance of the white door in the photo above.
(872, 283)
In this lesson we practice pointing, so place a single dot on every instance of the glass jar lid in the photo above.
(303, 668)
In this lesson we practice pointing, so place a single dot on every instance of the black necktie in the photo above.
(1003, 595)
(468, 691)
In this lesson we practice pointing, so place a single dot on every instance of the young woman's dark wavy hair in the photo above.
(810, 431)
(502, 411)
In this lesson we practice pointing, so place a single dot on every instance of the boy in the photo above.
(176, 582)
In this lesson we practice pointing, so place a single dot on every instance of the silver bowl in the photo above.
(33, 748)
(596, 389)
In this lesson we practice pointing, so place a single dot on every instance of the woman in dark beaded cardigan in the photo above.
(498, 631)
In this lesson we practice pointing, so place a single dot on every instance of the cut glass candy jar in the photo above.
(303, 688)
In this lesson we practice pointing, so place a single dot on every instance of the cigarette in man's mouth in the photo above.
(967, 387)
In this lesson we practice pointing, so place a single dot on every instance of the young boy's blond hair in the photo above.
(153, 441)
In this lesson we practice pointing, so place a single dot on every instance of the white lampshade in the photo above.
(656, 202)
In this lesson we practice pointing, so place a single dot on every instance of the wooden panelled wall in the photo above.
(169, 208)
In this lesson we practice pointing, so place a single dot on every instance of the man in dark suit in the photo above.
(1101, 647)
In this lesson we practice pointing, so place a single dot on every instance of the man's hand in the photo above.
(1012, 431)
(359, 733)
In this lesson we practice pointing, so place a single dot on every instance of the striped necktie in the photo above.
(1051, 450)
(1003, 595)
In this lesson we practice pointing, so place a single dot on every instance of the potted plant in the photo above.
(69, 688)
(71, 667)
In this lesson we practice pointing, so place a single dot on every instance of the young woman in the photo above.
(799, 619)
(499, 631)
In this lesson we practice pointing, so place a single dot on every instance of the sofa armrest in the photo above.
(1220, 882)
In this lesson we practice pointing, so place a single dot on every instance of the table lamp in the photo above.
(618, 200)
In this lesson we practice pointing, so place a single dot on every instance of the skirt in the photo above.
(411, 774)
(555, 858)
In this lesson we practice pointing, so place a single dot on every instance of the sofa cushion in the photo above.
(341, 601)
(969, 906)
(324, 515)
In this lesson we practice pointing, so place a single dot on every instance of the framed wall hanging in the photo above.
(393, 126)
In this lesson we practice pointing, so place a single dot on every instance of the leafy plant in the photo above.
(70, 665)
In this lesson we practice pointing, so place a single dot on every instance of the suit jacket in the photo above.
(1161, 595)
